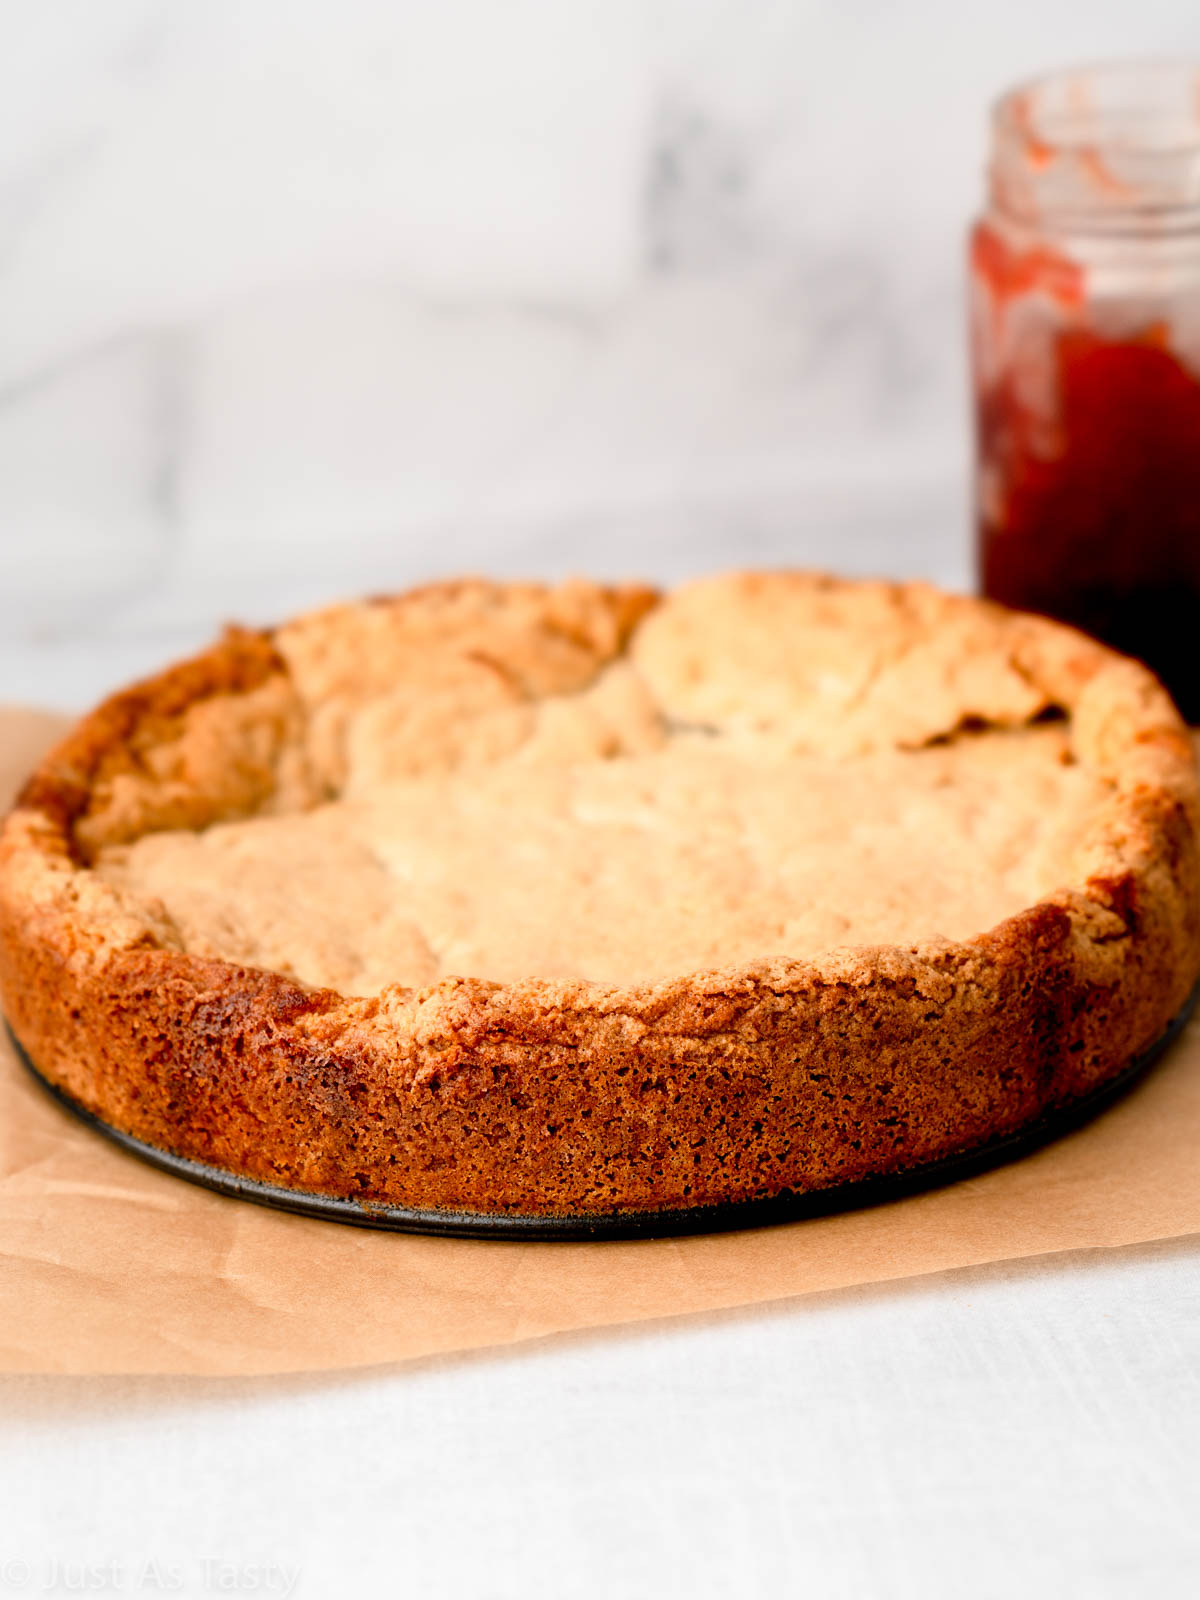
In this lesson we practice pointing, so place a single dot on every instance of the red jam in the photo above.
(1092, 506)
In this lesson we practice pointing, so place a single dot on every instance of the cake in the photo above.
(518, 901)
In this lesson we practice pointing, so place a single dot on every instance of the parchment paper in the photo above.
(107, 1265)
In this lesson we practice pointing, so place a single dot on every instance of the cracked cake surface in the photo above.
(542, 900)
(731, 850)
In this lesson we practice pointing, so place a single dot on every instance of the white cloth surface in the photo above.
(1023, 1429)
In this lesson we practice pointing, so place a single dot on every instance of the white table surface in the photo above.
(1030, 1429)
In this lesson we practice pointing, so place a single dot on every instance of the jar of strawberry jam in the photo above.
(1085, 312)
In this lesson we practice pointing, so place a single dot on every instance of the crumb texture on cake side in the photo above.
(581, 899)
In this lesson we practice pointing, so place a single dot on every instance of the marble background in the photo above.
(303, 299)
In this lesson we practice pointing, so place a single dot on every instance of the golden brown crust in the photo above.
(538, 1096)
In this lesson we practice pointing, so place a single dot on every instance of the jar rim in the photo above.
(1100, 145)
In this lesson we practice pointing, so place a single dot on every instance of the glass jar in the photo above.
(1085, 323)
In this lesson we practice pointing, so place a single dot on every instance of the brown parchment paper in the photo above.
(107, 1265)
